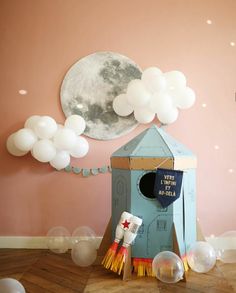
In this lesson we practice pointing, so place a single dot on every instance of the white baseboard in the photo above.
(41, 242)
(26, 242)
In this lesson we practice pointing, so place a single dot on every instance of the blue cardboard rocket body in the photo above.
(133, 177)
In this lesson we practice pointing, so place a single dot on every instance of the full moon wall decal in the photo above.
(89, 88)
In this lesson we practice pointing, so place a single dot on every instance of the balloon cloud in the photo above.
(156, 94)
(50, 142)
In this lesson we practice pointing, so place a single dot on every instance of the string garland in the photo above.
(86, 172)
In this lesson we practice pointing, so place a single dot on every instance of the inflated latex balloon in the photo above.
(137, 94)
(24, 139)
(61, 160)
(227, 252)
(12, 149)
(201, 257)
(83, 253)
(160, 103)
(76, 123)
(58, 240)
(45, 127)
(84, 233)
(154, 80)
(65, 139)
(169, 116)
(121, 106)
(183, 98)
(44, 150)
(168, 267)
(9, 285)
(80, 148)
(31, 121)
(175, 79)
(143, 115)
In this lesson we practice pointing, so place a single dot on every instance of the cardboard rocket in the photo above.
(135, 189)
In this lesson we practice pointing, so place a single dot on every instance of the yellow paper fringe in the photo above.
(119, 261)
(143, 267)
(185, 262)
(110, 256)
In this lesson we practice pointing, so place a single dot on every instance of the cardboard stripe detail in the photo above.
(137, 163)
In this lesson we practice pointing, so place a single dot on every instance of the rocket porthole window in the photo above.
(146, 185)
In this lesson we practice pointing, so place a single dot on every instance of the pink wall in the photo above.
(40, 40)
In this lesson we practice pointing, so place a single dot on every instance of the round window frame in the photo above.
(138, 185)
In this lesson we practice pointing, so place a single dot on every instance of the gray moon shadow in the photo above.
(89, 88)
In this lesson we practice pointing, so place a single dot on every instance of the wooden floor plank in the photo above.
(105, 281)
(46, 283)
(33, 288)
(41, 271)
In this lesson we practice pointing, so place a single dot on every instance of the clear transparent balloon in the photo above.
(227, 252)
(83, 253)
(58, 239)
(84, 233)
(9, 285)
(168, 267)
(201, 257)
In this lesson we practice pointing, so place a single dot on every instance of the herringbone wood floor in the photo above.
(41, 271)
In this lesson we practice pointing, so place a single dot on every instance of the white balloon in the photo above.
(175, 79)
(143, 115)
(12, 149)
(151, 71)
(168, 117)
(24, 139)
(80, 148)
(160, 102)
(121, 105)
(137, 94)
(45, 127)
(44, 150)
(76, 123)
(153, 79)
(9, 285)
(64, 139)
(31, 121)
(61, 160)
(183, 98)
